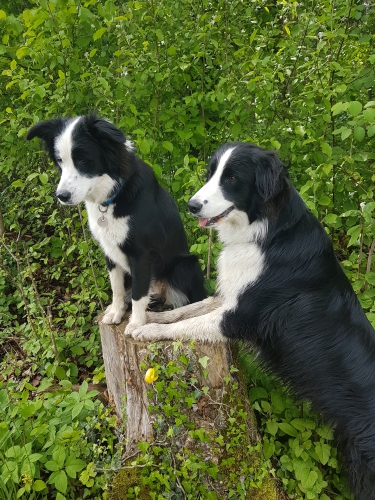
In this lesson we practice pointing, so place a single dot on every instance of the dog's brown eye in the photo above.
(231, 178)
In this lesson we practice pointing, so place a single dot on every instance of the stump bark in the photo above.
(196, 411)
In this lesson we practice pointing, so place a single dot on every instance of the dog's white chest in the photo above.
(239, 266)
(110, 234)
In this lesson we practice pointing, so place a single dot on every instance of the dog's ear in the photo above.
(46, 130)
(270, 175)
(100, 128)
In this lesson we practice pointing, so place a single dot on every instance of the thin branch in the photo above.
(369, 258)
(20, 286)
(89, 256)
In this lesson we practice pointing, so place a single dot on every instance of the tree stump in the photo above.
(191, 431)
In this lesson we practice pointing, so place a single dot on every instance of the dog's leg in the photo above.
(141, 282)
(189, 311)
(115, 312)
(205, 328)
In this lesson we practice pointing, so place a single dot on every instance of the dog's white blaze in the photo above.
(64, 143)
(211, 194)
(71, 180)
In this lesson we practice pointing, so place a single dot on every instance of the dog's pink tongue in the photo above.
(202, 222)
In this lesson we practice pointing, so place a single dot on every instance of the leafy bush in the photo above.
(49, 442)
(299, 444)
(180, 78)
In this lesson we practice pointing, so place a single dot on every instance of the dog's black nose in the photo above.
(194, 206)
(64, 196)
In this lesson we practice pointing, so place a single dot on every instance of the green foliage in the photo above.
(49, 440)
(180, 78)
(299, 444)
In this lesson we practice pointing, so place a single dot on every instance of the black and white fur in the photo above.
(281, 288)
(143, 237)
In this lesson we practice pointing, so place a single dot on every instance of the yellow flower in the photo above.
(150, 376)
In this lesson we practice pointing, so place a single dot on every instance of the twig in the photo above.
(209, 253)
(360, 250)
(44, 315)
(20, 286)
(57, 354)
(369, 262)
(89, 256)
(2, 226)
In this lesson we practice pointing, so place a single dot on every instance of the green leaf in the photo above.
(83, 389)
(326, 148)
(339, 107)
(277, 401)
(22, 51)
(43, 177)
(34, 457)
(324, 200)
(257, 393)
(59, 456)
(203, 361)
(272, 427)
(167, 145)
(39, 485)
(159, 34)
(61, 481)
(345, 133)
(369, 114)
(268, 448)
(354, 108)
(308, 478)
(354, 233)
(144, 146)
(74, 465)
(323, 452)
(359, 133)
(2, 14)
(20, 492)
(371, 130)
(288, 429)
(99, 33)
(52, 465)
(330, 219)
(158, 172)
(77, 409)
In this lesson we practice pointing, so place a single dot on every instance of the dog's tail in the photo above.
(185, 276)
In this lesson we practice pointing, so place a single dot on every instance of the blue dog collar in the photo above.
(112, 198)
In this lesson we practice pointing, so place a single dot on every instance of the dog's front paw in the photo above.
(113, 315)
(149, 332)
(131, 327)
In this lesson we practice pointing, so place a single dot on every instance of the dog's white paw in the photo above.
(113, 316)
(151, 331)
(131, 327)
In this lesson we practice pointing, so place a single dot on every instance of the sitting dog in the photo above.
(135, 221)
(281, 288)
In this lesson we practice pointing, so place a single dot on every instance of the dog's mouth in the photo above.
(214, 220)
